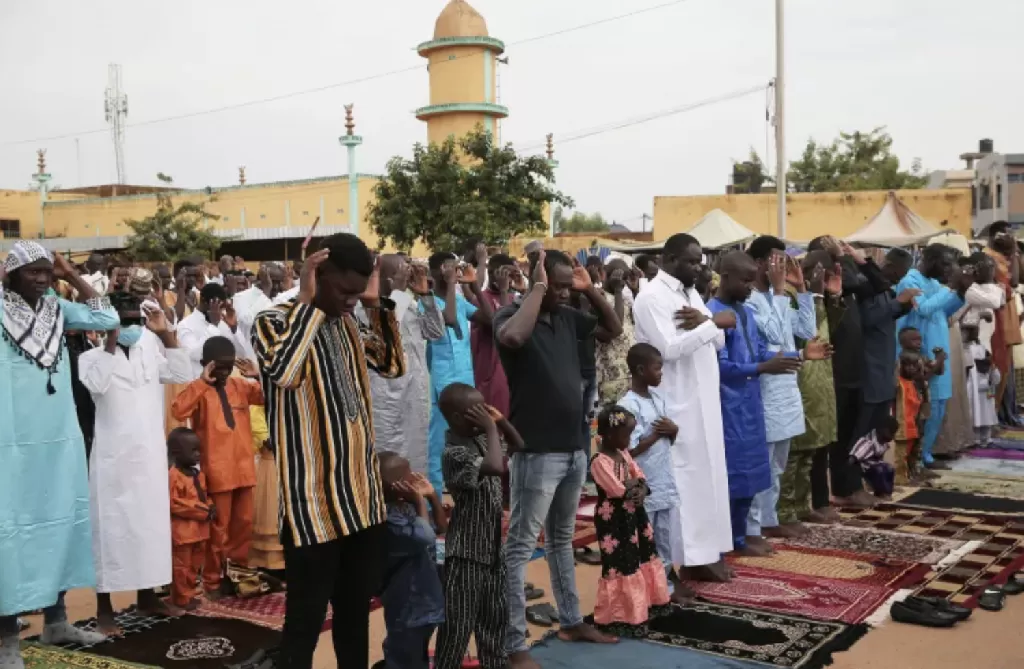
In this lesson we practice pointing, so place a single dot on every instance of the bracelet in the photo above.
(540, 284)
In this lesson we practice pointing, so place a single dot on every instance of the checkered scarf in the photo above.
(35, 333)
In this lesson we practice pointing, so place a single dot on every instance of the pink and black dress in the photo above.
(632, 574)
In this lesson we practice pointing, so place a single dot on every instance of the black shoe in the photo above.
(992, 598)
(1014, 585)
(918, 613)
(946, 606)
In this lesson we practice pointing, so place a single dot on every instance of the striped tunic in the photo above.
(319, 414)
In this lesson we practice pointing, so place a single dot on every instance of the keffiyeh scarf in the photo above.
(36, 334)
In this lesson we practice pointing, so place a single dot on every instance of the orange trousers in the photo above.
(186, 561)
(230, 533)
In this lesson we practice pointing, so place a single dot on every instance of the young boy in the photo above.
(982, 381)
(472, 464)
(869, 452)
(910, 339)
(650, 447)
(218, 406)
(191, 513)
(411, 595)
(908, 409)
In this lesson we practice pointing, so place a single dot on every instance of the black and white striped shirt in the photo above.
(474, 532)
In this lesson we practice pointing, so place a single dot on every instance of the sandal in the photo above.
(538, 615)
(588, 555)
(533, 593)
(992, 598)
(1015, 584)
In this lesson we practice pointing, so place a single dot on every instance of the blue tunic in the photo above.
(778, 322)
(450, 360)
(932, 309)
(746, 443)
(412, 595)
(45, 535)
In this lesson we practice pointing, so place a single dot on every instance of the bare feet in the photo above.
(780, 532)
(713, 573)
(522, 660)
(798, 527)
(151, 605)
(106, 625)
(825, 516)
(193, 604)
(585, 633)
(755, 547)
(682, 595)
(213, 595)
(860, 500)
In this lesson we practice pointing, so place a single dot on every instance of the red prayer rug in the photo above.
(265, 610)
(818, 583)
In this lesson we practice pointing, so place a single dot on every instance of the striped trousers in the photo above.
(475, 603)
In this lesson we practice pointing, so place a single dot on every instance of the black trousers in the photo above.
(344, 572)
(475, 603)
(846, 478)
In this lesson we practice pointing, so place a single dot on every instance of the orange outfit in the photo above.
(190, 530)
(227, 461)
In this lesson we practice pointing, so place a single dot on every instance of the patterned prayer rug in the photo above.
(738, 633)
(265, 610)
(980, 484)
(818, 583)
(995, 453)
(50, 657)
(960, 501)
(189, 642)
(882, 543)
(999, 550)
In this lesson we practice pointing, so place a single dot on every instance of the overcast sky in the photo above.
(939, 73)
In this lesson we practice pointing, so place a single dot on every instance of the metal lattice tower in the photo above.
(115, 106)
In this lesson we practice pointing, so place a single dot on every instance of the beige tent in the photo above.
(895, 225)
(716, 230)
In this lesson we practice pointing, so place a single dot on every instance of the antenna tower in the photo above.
(115, 106)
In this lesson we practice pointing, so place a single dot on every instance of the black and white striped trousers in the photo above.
(475, 603)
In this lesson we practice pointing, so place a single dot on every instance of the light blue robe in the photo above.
(778, 322)
(450, 360)
(930, 315)
(45, 535)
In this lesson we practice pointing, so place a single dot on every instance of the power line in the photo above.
(350, 82)
(638, 120)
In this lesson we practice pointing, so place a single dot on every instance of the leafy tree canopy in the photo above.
(748, 176)
(172, 232)
(459, 190)
(579, 222)
(854, 161)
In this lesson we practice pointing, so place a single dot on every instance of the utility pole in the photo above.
(115, 107)
(643, 222)
(780, 119)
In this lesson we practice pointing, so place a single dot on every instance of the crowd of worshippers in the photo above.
(327, 421)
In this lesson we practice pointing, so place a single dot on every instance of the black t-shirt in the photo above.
(544, 379)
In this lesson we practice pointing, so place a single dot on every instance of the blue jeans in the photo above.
(931, 430)
(545, 491)
(763, 511)
(51, 614)
(408, 648)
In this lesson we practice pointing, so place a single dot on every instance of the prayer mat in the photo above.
(737, 633)
(265, 610)
(818, 583)
(189, 642)
(982, 484)
(995, 453)
(553, 653)
(882, 543)
(996, 551)
(960, 501)
(50, 657)
(1009, 467)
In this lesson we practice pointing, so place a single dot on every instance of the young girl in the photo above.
(982, 382)
(632, 575)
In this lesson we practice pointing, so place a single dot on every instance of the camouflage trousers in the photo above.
(795, 495)
(907, 456)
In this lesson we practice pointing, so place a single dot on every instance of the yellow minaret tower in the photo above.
(462, 64)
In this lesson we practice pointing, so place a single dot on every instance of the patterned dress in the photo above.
(612, 371)
(632, 575)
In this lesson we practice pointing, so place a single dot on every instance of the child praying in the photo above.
(218, 405)
(191, 512)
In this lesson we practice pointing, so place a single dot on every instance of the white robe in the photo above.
(983, 407)
(702, 531)
(130, 506)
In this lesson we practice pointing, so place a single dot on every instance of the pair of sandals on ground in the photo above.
(938, 612)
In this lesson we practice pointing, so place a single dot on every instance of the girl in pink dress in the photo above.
(632, 575)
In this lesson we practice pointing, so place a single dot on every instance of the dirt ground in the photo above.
(986, 641)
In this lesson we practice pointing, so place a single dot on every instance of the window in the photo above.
(974, 199)
(1015, 178)
(984, 196)
(10, 228)
(999, 196)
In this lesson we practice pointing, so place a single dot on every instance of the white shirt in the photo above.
(248, 304)
(99, 282)
(194, 330)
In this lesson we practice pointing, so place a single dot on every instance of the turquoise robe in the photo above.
(45, 535)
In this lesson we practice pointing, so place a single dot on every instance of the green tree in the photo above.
(854, 161)
(579, 222)
(172, 232)
(749, 175)
(460, 190)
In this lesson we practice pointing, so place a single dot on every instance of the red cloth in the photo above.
(230, 533)
(488, 373)
(186, 560)
(908, 406)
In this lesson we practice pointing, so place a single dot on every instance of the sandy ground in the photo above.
(986, 641)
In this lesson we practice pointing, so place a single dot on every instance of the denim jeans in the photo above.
(51, 614)
(764, 509)
(545, 493)
(661, 523)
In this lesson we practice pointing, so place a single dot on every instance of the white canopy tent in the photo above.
(895, 224)
(717, 230)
